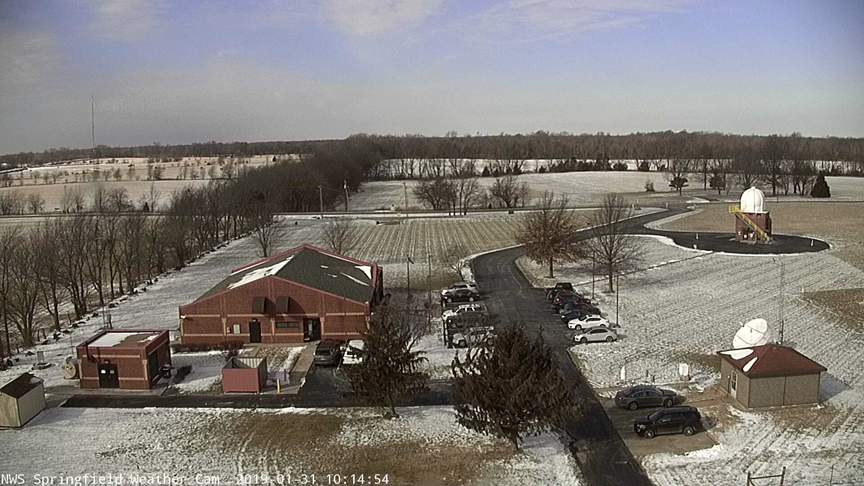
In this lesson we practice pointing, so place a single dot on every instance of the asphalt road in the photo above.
(599, 449)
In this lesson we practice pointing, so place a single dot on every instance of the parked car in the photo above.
(466, 319)
(563, 298)
(595, 335)
(473, 336)
(460, 295)
(574, 304)
(458, 286)
(577, 313)
(646, 396)
(588, 321)
(559, 286)
(673, 420)
(328, 352)
(464, 309)
(356, 352)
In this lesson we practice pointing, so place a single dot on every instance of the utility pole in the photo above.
(405, 188)
(429, 276)
(408, 263)
(593, 260)
(782, 278)
(345, 186)
(617, 291)
(321, 201)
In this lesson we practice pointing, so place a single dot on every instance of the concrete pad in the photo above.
(623, 418)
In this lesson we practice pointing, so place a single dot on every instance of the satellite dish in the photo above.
(70, 368)
(753, 333)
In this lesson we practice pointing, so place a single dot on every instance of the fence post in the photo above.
(782, 475)
(748, 479)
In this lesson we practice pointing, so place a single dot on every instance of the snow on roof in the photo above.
(355, 279)
(260, 273)
(366, 269)
(737, 354)
(750, 364)
(112, 339)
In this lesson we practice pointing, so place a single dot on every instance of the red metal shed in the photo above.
(244, 375)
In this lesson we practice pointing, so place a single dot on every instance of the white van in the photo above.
(354, 354)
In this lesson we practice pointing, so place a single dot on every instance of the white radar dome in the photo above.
(753, 201)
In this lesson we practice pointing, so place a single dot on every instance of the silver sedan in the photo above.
(598, 334)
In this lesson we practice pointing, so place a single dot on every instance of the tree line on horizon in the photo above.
(403, 153)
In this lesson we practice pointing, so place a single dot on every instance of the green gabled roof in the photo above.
(310, 266)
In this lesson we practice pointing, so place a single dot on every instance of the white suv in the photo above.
(460, 285)
(462, 309)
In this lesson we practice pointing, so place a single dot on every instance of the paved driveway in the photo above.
(623, 418)
(600, 450)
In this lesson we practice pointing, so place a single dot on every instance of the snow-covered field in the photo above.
(686, 306)
(586, 188)
(226, 443)
(581, 187)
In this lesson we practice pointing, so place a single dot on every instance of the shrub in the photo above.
(230, 346)
(643, 166)
(619, 166)
(820, 188)
(649, 186)
(182, 373)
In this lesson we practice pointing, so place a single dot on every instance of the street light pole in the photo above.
(617, 291)
(593, 260)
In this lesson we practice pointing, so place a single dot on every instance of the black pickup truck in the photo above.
(551, 292)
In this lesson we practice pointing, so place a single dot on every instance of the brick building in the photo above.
(123, 359)
(769, 376)
(302, 294)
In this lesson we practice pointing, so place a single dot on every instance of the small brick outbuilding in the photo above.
(123, 359)
(302, 294)
(770, 375)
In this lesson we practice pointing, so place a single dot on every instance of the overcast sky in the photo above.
(187, 71)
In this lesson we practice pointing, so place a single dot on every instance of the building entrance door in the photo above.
(254, 332)
(108, 377)
(312, 330)
(733, 385)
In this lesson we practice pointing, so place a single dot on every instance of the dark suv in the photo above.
(672, 420)
(328, 353)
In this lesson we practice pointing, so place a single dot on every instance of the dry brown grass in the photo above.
(848, 303)
(308, 443)
(806, 417)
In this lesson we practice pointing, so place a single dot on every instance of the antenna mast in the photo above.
(93, 123)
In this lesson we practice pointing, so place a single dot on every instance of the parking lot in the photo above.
(623, 418)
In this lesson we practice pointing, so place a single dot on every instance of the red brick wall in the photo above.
(131, 363)
(340, 318)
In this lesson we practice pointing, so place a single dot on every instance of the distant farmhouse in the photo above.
(302, 294)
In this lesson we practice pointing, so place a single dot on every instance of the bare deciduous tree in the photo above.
(45, 244)
(506, 190)
(339, 234)
(613, 241)
(547, 233)
(454, 259)
(24, 294)
(773, 153)
(35, 202)
(9, 241)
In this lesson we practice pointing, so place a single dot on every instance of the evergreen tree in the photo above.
(678, 183)
(389, 372)
(717, 181)
(511, 389)
(820, 188)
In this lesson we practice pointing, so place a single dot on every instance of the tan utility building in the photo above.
(769, 376)
(20, 400)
